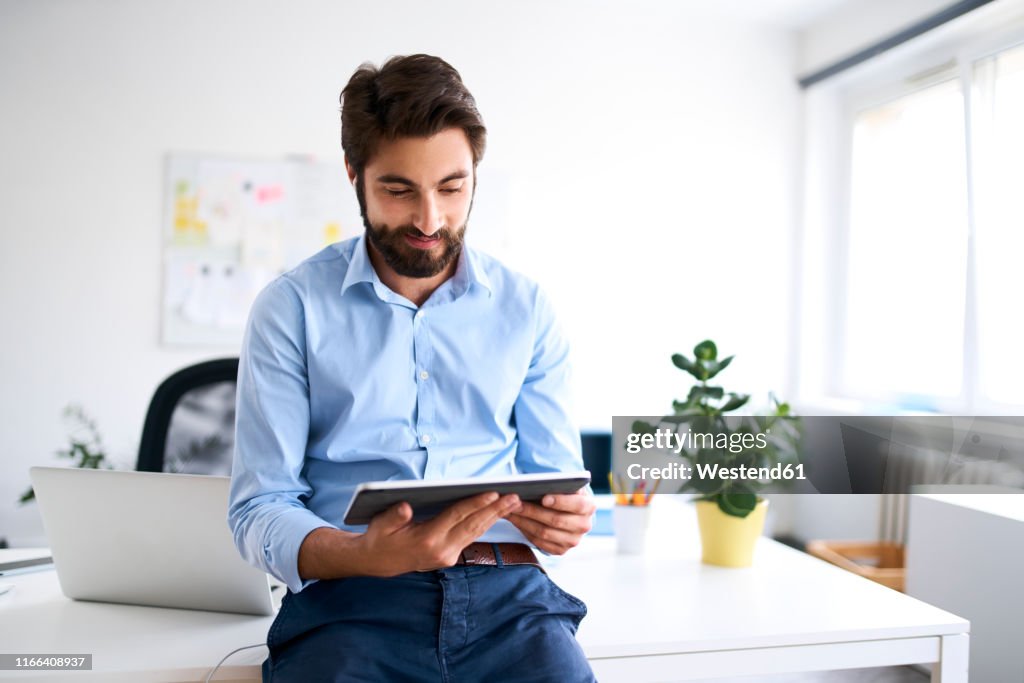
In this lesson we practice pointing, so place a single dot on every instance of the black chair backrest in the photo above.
(190, 422)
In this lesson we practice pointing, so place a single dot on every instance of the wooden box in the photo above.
(884, 563)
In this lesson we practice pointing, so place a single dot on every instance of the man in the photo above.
(403, 354)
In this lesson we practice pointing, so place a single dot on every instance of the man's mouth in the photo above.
(422, 242)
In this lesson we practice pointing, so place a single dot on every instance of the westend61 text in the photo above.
(681, 471)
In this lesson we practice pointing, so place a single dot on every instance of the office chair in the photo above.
(190, 424)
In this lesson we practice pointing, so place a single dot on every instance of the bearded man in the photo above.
(405, 354)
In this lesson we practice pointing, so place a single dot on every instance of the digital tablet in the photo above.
(430, 497)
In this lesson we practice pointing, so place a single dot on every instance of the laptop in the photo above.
(147, 538)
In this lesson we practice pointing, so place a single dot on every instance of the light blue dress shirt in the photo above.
(343, 381)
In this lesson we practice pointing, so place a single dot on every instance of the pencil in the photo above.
(638, 494)
(653, 490)
(620, 494)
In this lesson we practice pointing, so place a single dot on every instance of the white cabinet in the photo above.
(965, 554)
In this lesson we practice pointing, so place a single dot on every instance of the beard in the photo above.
(409, 261)
(404, 259)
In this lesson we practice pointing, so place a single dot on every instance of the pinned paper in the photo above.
(231, 225)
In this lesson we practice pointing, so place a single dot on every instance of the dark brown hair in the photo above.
(412, 96)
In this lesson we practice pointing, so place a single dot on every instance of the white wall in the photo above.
(645, 158)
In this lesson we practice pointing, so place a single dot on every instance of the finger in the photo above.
(567, 521)
(456, 512)
(552, 533)
(545, 537)
(440, 541)
(473, 526)
(578, 503)
(392, 519)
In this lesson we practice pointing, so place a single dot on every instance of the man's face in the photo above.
(415, 196)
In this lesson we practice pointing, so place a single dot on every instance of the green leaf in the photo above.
(678, 419)
(684, 412)
(725, 506)
(706, 350)
(684, 363)
(735, 401)
(681, 361)
(641, 427)
(706, 486)
(745, 499)
(737, 504)
(697, 390)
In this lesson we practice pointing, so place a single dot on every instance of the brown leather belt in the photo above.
(507, 553)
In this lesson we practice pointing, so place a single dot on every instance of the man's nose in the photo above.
(428, 215)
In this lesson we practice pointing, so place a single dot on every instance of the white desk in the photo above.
(128, 643)
(790, 612)
(662, 616)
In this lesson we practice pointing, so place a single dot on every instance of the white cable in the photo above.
(224, 659)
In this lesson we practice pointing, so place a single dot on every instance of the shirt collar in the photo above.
(359, 267)
(467, 271)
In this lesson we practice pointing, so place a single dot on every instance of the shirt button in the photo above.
(424, 375)
(426, 438)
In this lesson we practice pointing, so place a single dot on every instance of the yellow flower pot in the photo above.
(728, 541)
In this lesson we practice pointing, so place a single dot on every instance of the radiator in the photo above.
(977, 459)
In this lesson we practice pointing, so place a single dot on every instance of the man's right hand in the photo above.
(394, 544)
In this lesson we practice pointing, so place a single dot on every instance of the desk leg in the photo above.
(952, 664)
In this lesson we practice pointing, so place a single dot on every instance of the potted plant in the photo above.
(85, 447)
(730, 514)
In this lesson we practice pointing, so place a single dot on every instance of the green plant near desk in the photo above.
(85, 446)
(706, 409)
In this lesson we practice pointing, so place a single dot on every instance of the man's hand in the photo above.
(558, 523)
(394, 544)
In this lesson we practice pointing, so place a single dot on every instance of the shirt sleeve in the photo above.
(549, 440)
(266, 509)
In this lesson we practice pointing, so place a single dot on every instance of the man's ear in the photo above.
(351, 172)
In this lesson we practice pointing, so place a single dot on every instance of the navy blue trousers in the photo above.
(459, 625)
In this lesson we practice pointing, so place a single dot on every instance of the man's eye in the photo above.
(396, 193)
(451, 190)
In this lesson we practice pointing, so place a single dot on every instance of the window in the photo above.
(907, 248)
(932, 260)
(998, 136)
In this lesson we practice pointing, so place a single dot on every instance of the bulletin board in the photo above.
(231, 225)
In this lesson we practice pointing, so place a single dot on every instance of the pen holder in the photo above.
(630, 524)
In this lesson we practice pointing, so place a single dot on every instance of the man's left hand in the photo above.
(558, 523)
